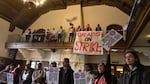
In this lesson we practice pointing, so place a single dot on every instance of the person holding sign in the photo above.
(66, 73)
(26, 75)
(133, 70)
(102, 74)
(16, 73)
(38, 76)
(53, 64)
(89, 73)
(71, 32)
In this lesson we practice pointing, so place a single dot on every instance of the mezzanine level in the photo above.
(18, 41)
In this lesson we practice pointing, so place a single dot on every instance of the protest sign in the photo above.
(110, 39)
(80, 78)
(87, 42)
(10, 78)
(52, 75)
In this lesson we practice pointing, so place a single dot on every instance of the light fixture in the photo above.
(148, 36)
(32, 3)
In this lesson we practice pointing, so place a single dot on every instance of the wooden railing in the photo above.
(18, 41)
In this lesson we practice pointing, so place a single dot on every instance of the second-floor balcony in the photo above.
(20, 41)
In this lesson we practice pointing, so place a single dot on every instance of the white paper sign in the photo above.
(110, 39)
(52, 75)
(80, 78)
(10, 78)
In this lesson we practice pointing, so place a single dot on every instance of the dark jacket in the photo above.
(134, 77)
(29, 77)
(67, 77)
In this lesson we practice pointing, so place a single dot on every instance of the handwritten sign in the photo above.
(87, 42)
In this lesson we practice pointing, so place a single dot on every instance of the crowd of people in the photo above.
(133, 73)
(54, 35)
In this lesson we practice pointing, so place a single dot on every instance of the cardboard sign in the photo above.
(80, 78)
(10, 78)
(52, 75)
(110, 39)
(87, 42)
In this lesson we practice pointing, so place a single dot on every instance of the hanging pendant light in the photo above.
(34, 3)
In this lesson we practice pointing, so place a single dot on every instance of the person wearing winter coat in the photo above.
(134, 72)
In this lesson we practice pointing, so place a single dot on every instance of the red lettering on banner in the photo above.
(81, 34)
(85, 46)
(98, 49)
(88, 34)
(92, 47)
(95, 47)
(77, 47)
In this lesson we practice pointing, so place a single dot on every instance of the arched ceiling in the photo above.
(19, 15)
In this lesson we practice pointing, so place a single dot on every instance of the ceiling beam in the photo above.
(139, 24)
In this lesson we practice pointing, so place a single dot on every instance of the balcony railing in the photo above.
(19, 41)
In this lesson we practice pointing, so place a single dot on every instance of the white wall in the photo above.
(104, 15)
(57, 18)
(4, 27)
(93, 15)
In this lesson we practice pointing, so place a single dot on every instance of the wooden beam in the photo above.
(11, 27)
(142, 20)
(45, 45)
(38, 45)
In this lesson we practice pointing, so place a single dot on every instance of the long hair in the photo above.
(105, 70)
(105, 73)
(137, 62)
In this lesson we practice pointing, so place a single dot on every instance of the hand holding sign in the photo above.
(110, 39)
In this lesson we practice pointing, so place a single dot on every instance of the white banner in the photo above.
(87, 42)
(52, 75)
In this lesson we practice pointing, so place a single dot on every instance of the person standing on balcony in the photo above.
(78, 28)
(53, 35)
(98, 28)
(48, 34)
(88, 28)
(60, 34)
(71, 32)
